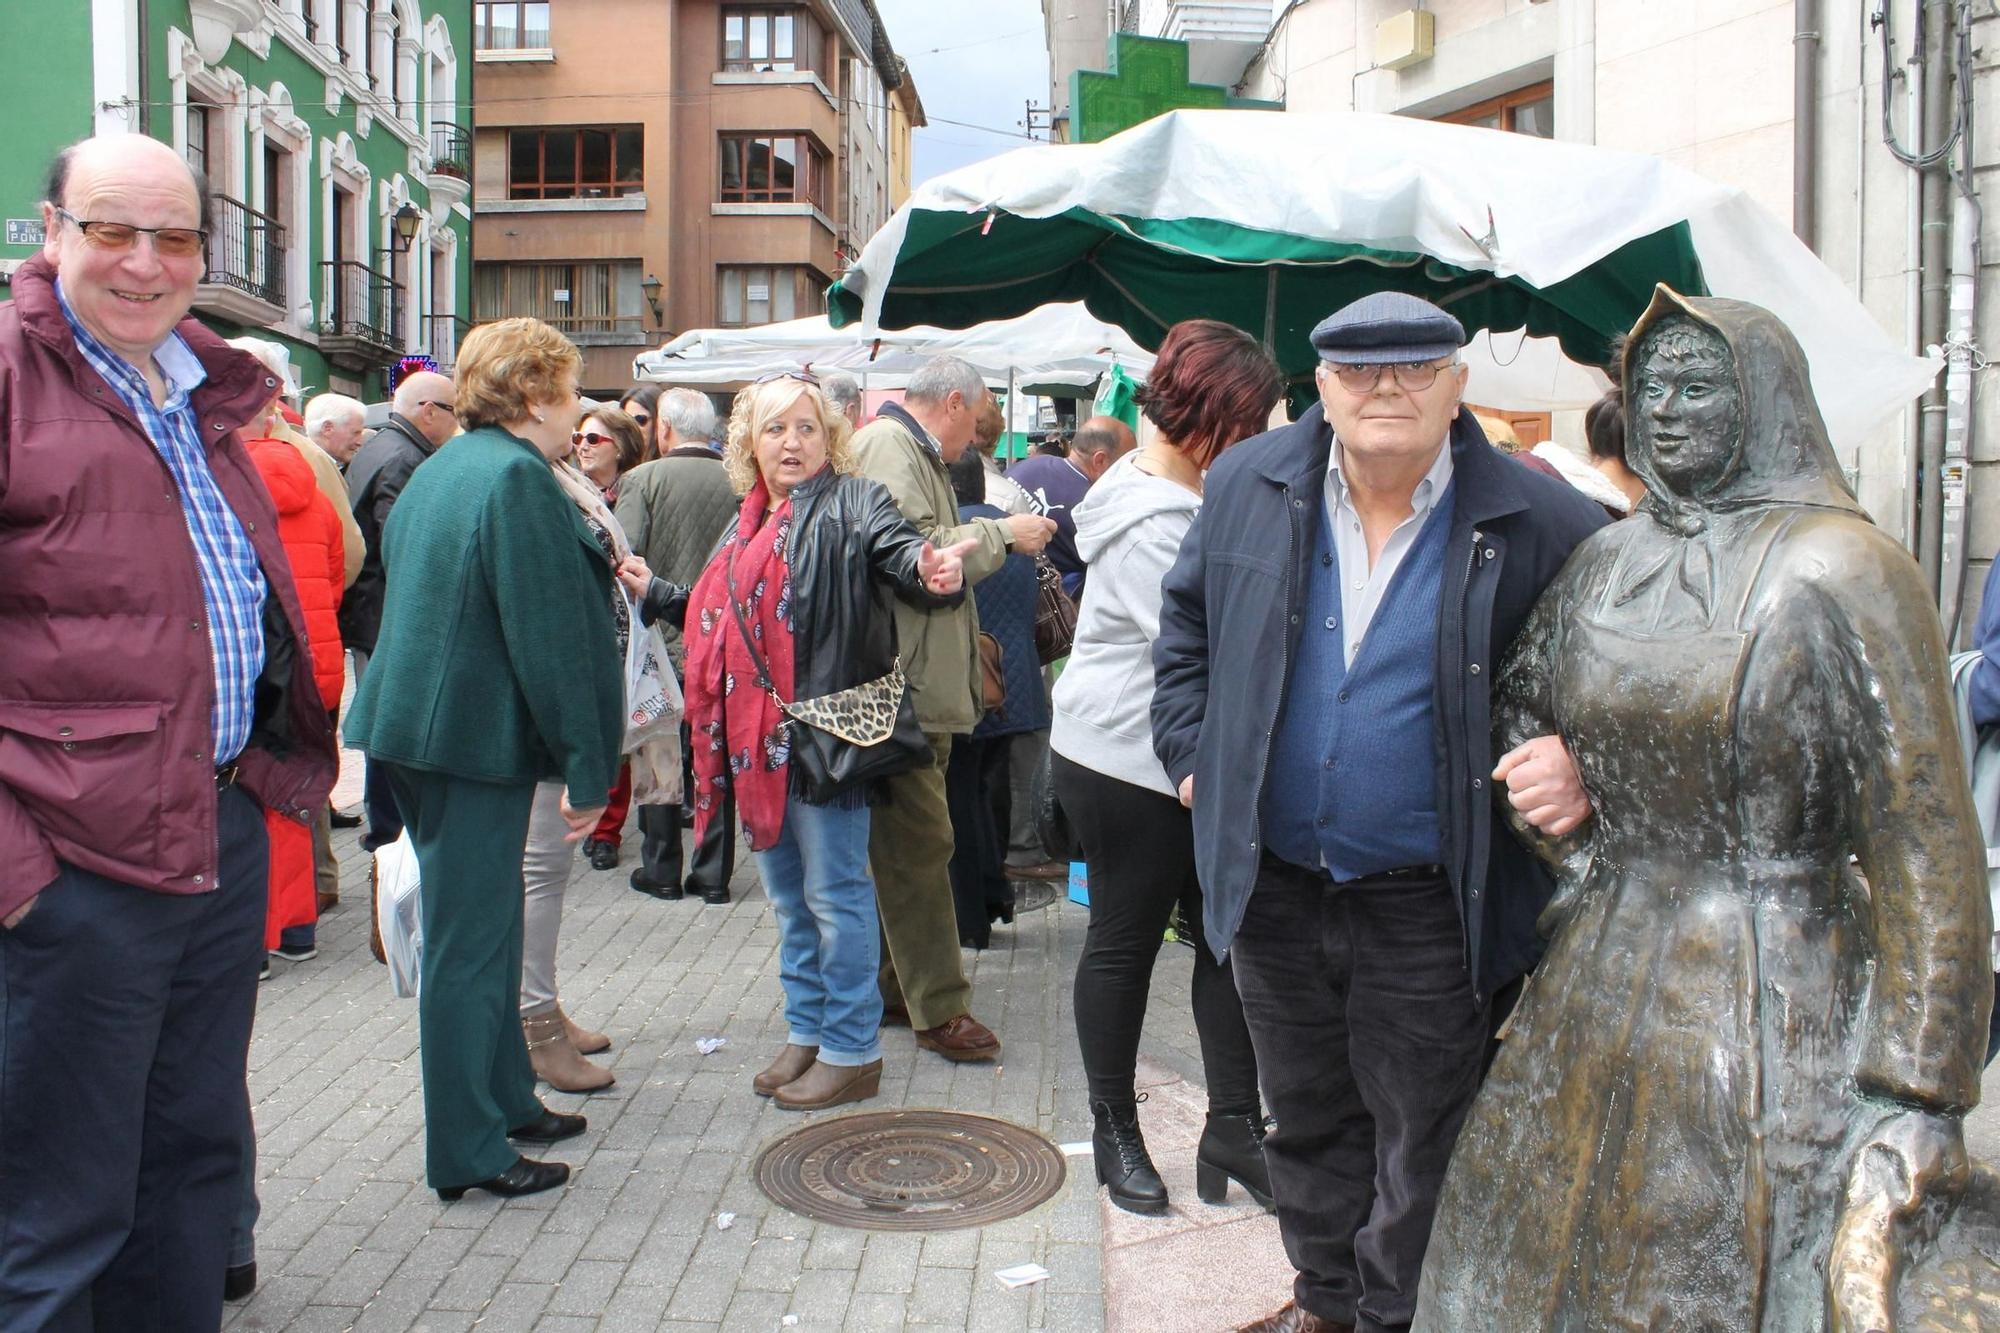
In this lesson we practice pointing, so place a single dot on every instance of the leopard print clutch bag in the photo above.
(863, 714)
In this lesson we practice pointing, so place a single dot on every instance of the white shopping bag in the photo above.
(399, 913)
(653, 707)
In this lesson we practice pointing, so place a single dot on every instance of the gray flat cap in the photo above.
(1384, 327)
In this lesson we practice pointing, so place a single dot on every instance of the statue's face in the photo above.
(1687, 408)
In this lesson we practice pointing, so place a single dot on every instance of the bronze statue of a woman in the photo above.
(1734, 1088)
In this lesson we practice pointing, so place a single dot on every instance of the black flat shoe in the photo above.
(643, 883)
(524, 1177)
(550, 1127)
(603, 855)
(345, 821)
(238, 1281)
(715, 895)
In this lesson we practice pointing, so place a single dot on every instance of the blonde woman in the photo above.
(496, 668)
(795, 607)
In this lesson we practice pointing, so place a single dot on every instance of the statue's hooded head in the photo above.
(1720, 412)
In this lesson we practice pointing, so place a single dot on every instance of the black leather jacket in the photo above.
(849, 550)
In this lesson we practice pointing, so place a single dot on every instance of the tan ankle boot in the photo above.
(791, 1062)
(585, 1041)
(830, 1085)
(556, 1061)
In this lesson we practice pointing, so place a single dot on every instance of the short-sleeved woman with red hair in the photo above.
(1212, 386)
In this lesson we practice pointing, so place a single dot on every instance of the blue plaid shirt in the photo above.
(232, 583)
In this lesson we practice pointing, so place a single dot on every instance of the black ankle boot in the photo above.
(1232, 1148)
(1123, 1166)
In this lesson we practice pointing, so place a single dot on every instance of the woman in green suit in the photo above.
(481, 685)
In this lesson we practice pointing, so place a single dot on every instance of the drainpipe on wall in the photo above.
(1935, 19)
(1805, 121)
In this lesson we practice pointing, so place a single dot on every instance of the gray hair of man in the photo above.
(330, 409)
(691, 414)
(842, 390)
(940, 377)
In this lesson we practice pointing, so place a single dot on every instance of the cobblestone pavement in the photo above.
(351, 1239)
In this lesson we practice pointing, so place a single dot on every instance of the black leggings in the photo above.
(1139, 847)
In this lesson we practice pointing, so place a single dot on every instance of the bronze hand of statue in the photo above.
(1913, 1160)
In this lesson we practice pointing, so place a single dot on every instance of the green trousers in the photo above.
(909, 852)
(469, 838)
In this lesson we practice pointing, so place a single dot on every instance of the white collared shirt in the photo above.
(1362, 588)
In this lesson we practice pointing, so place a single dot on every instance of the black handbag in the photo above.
(1051, 823)
(845, 739)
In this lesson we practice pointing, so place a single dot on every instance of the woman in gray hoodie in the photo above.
(1212, 386)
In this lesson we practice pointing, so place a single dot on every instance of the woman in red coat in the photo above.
(310, 531)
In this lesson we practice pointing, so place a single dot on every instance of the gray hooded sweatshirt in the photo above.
(1128, 532)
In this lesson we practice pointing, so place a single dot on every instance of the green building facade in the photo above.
(335, 136)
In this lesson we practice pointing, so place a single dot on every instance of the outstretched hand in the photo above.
(635, 575)
(944, 571)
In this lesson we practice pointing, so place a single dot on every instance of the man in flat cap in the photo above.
(1356, 577)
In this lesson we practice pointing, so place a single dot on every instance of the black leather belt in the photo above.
(1399, 873)
(225, 777)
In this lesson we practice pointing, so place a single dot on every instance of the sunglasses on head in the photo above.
(168, 242)
(802, 376)
(590, 437)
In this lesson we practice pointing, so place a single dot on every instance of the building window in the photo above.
(599, 163)
(200, 144)
(591, 303)
(1530, 110)
(510, 25)
(773, 169)
(763, 294)
(761, 39)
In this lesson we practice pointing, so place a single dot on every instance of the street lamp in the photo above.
(407, 218)
(651, 287)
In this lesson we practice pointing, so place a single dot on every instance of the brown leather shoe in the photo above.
(1290, 1318)
(823, 1085)
(895, 1016)
(963, 1038)
(790, 1064)
(326, 901)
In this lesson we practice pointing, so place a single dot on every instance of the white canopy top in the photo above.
(1056, 346)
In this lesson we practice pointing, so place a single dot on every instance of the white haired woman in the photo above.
(794, 612)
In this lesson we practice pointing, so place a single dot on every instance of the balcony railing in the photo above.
(451, 150)
(246, 251)
(361, 303)
(442, 335)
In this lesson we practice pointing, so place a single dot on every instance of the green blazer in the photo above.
(498, 659)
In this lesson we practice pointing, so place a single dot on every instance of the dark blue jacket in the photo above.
(1008, 599)
(1237, 594)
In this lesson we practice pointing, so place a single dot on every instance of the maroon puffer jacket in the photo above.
(106, 683)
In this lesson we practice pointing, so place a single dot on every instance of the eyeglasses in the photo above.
(168, 242)
(1413, 376)
(592, 437)
(802, 376)
(435, 402)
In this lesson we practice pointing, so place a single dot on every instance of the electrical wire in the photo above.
(1883, 21)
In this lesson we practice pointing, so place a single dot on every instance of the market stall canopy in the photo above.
(1057, 351)
(1272, 220)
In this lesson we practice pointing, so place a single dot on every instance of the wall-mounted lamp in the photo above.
(651, 287)
(407, 219)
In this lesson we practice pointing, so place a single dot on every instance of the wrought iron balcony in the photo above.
(451, 150)
(361, 315)
(247, 255)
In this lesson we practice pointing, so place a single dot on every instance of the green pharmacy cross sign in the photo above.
(1148, 77)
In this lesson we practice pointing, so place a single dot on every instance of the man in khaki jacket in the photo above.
(906, 448)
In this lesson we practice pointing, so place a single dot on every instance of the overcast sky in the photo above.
(976, 62)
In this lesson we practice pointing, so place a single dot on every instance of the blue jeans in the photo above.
(829, 941)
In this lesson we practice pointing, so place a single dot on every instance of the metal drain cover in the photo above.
(910, 1171)
(1032, 894)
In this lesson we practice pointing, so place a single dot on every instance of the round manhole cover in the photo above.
(910, 1171)
(1031, 894)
